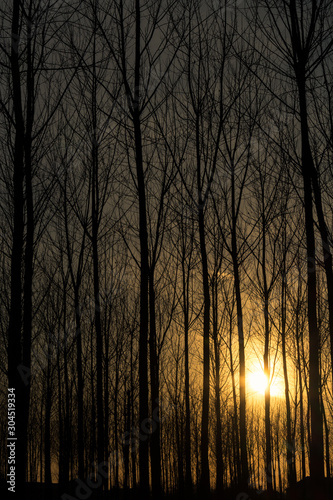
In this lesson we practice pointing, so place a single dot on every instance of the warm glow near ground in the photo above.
(257, 382)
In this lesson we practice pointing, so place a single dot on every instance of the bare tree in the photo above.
(302, 42)
(26, 60)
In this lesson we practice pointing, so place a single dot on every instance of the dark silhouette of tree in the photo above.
(15, 355)
(141, 77)
(302, 45)
(25, 61)
(76, 281)
(288, 261)
(205, 87)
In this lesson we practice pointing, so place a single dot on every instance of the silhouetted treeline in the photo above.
(166, 214)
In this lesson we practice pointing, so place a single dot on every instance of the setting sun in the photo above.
(257, 381)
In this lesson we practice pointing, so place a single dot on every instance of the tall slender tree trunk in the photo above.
(235, 421)
(95, 215)
(241, 343)
(327, 254)
(29, 239)
(291, 471)
(268, 439)
(80, 388)
(41, 444)
(67, 419)
(218, 431)
(301, 56)
(15, 361)
(132, 437)
(106, 410)
(316, 442)
(47, 438)
(218, 444)
(98, 323)
(61, 426)
(242, 391)
(188, 468)
(327, 438)
(154, 383)
(116, 441)
(241, 346)
(205, 479)
(299, 368)
(126, 441)
(178, 457)
(144, 263)
(76, 283)
(143, 342)
(92, 455)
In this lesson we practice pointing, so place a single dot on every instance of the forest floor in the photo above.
(39, 491)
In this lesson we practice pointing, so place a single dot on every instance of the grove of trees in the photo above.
(166, 194)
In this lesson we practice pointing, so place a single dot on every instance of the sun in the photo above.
(258, 383)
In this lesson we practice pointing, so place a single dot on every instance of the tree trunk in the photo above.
(29, 243)
(242, 392)
(301, 60)
(154, 382)
(143, 346)
(268, 440)
(76, 283)
(327, 438)
(179, 466)
(67, 418)
(47, 438)
(204, 480)
(299, 368)
(316, 442)
(144, 265)
(126, 439)
(188, 468)
(61, 426)
(327, 254)
(218, 444)
(80, 438)
(291, 472)
(95, 214)
(241, 344)
(16, 380)
(116, 446)
(98, 325)
(106, 410)
(92, 456)
(132, 437)
(235, 422)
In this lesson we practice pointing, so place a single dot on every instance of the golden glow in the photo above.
(257, 382)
